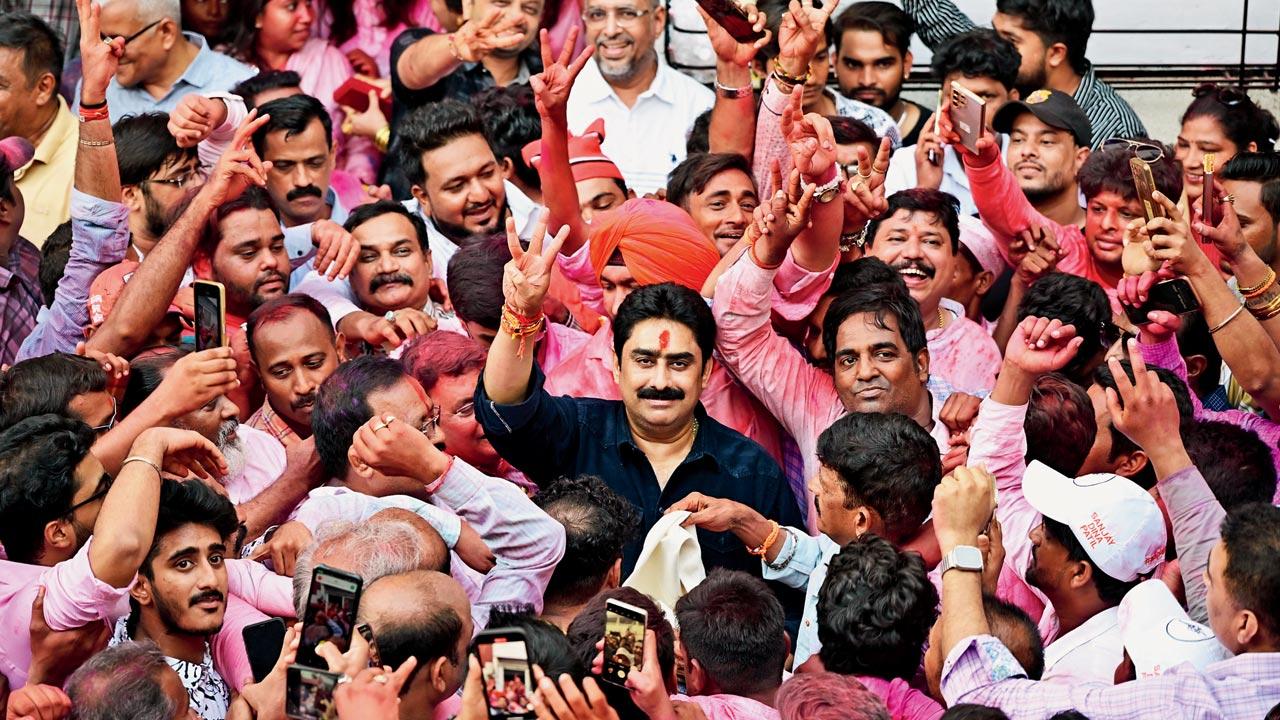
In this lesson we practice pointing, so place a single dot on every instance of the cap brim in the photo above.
(1003, 121)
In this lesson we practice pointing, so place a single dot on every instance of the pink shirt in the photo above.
(323, 68)
(264, 462)
(253, 594)
(962, 353)
(729, 707)
(904, 702)
(372, 36)
(559, 343)
(73, 598)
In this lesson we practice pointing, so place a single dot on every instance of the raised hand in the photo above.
(800, 34)
(727, 48)
(551, 86)
(239, 167)
(988, 147)
(1144, 409)
(1168, 240)
(863, 194)
(499, 30)
(38, 702)
(265, 700)
(183, 452)
(98, 60)
(810, 138)
(284, 547)
(364, 123)
(527, 277)
(55, 655)
(1040, 345)
(362, 63)
(929, 174)
(1034, 253)
(1226, 235)
(195, 118)
(391, 446)
(336, 249)
(373, 692)
(562, 700)
(116, 367)
(195, 379)
(783, 217)
(963, 504)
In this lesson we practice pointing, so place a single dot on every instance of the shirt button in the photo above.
(807, 623)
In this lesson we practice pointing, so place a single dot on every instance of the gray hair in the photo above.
(152, 10)
(371, 550)
(121, 683)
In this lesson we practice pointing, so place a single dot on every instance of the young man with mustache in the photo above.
(180, 596)
(873, 60)
(298, 142)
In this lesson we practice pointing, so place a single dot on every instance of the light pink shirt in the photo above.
(323, 68)
(904, 702)
(558, 344)
(962, 353)
(73, 598)
(264, 462)
(730, 707)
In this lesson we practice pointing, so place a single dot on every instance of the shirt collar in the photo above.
(595, 88)
(622, 434)
(64, 125)
(200, 72)
(1087, 632)
(1088, 86)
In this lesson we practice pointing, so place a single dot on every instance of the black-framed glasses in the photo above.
(1144, 151)
(1224, 94)
(108, 38)
(115, 413)
(104, 486)
(178, 181)
(432, 423)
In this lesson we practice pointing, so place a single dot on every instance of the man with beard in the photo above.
(718, 192)
(294, 349)
(494, 47)
(1051, 36)
(298, 142)
(155, 174)
(873, 59)
(1111, 200)
(180, 597)
(637, 96)
(254, 459)
(1049, 140)
(919, 237)
(655, 445)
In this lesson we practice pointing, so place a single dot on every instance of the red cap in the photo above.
(105, 291)
(586, 159)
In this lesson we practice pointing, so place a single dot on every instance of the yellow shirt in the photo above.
(45, 182)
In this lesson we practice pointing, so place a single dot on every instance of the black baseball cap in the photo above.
(1056, 109)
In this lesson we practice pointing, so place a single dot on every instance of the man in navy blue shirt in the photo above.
(653, 447)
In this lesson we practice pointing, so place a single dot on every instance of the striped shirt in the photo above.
(1108, 113)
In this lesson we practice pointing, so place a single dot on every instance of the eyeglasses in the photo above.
(1224, 94)
(104, 486)
(115, 412)
(431, 424)
(1145, 152)
(108, 38)
(465, 410)
(179, 181)
(624, 16)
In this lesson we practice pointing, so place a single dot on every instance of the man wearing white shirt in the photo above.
(648, 108)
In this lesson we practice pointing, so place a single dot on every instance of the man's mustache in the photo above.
(387, 278)
(304, 191)
(270, 275)
(653, 393)
(303, 401)
(916, 264)
(207, 595)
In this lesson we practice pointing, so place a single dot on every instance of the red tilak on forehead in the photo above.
(664, 338)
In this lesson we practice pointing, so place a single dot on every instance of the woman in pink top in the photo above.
(364, 29)
(279, 38)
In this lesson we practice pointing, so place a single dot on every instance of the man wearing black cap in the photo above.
(1049, 139)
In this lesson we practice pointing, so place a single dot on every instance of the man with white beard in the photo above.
(254, 459)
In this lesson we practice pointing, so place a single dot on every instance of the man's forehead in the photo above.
(606, 4)
(917, 220)
(405, 399)
(311, 141)
(729, 180)
(865, 328)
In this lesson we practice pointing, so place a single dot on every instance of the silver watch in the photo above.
(827, 191)
(962, 557)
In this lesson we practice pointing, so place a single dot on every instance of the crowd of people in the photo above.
(868, 411)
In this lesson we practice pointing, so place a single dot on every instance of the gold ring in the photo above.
(380, 679)
(1229, 198)
(853, 186)
(380, 426)
(107, 40)
(875, 169)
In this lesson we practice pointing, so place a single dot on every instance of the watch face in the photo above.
(826, 196)
(968, 557)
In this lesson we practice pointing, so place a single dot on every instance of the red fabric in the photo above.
(659, 243)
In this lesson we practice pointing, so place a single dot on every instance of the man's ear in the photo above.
(141, 591)
(907, 61)
(1082, 154)
(695, 677)
(508, 168)
(131, 197)
(985, 280)
(1014, 95)
(59, 535)
(1246, 627)
(341, 341)
(420, 194)
(438, 676)
(1131, 463)
(1196, 365)
(922, 364)
(46, 89)
(707, 368)
(617, 370)
(1056, 55)
(613, 578)
(1081, 574)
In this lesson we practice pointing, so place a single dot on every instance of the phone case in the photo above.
(1175, 296)
(1146, 185)
(624, 627)
(968, 115)
(732, 18)
(211, 314)
(354, 93)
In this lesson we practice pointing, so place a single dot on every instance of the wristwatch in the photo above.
(962, 557)
(827, 191)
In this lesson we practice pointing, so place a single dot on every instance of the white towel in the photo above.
(670, 564)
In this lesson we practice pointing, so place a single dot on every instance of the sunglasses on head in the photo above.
(1224, 94)
(1144, 151)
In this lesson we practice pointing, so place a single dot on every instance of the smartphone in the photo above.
(968, 115)
(1146, 185)
(623, 640)
(262, 642)
(211, 314)
(1175, 296)
(331, 613)
(308, 693)
(506, 672)
(732, 18)
(354, 93)
(366, 632)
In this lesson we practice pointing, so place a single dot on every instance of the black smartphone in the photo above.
(732, 18)
(262, 642)
(330, 613)
(506, 671)
(623, 640)
(211, 314)
(366, 632)
(1175, 296)
(308, 694)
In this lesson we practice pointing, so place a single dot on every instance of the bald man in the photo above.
(424, 614)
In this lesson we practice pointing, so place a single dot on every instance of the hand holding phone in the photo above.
(211, 314)
(506, 672)
(968, 116)
(1175, 296)
(330, 613)
(733, 18)
(309, 693)
(624, 627)
(262, 643)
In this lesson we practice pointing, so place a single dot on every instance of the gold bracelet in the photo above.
(784, 77)
(97, 143)
(1230, 317)
(383, 138)
(1254, 291)
(139, 458)
(1267, 310)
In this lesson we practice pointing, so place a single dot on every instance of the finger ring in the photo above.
(864, 177)
(107, 40)
(379, 426)
(380, 679)
(875, 169)
(390, 316)
(853, 186)
(1229, 198)
(344, 679)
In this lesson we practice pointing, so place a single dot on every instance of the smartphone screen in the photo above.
(309, 693)
(623, 640)
(331, 613)
(210, 314)
(262, 643)
(505, 667)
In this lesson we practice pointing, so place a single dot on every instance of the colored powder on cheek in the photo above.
(663, 339)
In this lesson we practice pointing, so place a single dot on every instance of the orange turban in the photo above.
(658, 241)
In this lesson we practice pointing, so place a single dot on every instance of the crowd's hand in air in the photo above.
(988, 146)
(801, 32)
(368, 122)
(57, 654)
(727, 48)
(810, 138)
(98, 60)
(929, 144)
(498, 30)
(284, 547)
(1145, 409)
(527, 276)
(195, 380)
(183, 452)
(562, 699)
(863, 194)
(1041, 345)
(265, 700)
(336, 250)
(1034, 253)
(551, 86)
(35, 701)
(1167, 240)
(195, 118)
(963, 505)
(239, 167)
